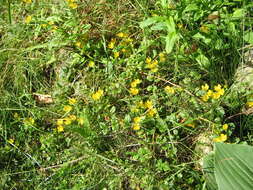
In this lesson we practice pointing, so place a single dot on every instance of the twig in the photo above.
(61, 165)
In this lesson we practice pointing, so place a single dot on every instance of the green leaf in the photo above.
(238, 13)
(248, 37)
(208, 168)
(151, 21)
(233, 166)
(170, 40)
(203, 61)
(191, 7)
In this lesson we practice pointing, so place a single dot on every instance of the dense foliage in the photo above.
(119, 94)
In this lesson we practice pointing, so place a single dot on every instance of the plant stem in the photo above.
(9, 11)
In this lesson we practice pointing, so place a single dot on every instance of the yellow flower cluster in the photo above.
(116, 54)
(151, 110)
(72, 101)
(122, 35)
(29, 121)
(91, 64)
(162, 57)
(67, 108)
(221, 138)
(78, 44)
(169, 90)
(225, 127)
(72, 4)
(27, 1)
(65, 121)
(133, 90)
(204, 29)
(249, 104)
(216, 94)
(136, 124)
(28, 19)
(97, 95)
(152, 64)
(111, 44)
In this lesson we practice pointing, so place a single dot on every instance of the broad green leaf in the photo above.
(208, 168)
(233, 166)
(170, 40)
(248, 37)
(171, 25)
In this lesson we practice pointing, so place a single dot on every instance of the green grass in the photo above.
(101, 150)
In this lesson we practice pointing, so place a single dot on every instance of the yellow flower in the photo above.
(135, 83)
(54, 28)
(11, 141)
(27, 1)
(80, 121)
(148, 104)
(137, 119)
(136, 126)
(162, 57)
(148, 60)
(123, 50)
(152, 112)
(169, 90)
(91, 64)
(60, 128)
(67, 108)
(28, 19)
(59, 122)
(134, 91)
(121, 34)
(78, 44)
(209, 93)
(72, 117)
(249, 104)
(51, 22)
(205, 98)
(205, 87)
(67, 121)
(134, 109)
(221, 138)
(154, 70)
(141, 104)
(128, 40)
(43, 25)
(217, 88)
(111, 45)
(225, 127)
(97, 95)
(72, 101)
(73, 5)
(216, 95)
(29, 121)
(204, 29)
(116, 54)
